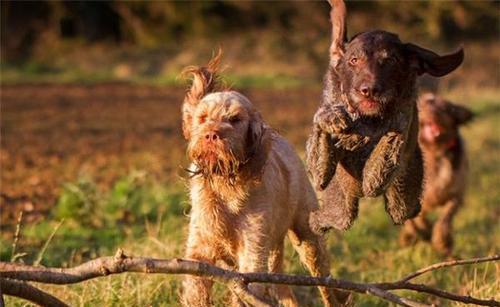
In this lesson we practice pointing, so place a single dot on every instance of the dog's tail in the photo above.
(205, 79)
(339, 32)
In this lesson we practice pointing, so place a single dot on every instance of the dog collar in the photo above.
(451, 144)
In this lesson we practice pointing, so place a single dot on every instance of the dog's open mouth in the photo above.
(369, 106)
(366, 106)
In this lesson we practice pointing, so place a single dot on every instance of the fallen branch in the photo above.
(28, 292)
(234, 280)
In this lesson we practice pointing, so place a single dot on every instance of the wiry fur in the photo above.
(364, 139)
(248, 191)
(445, 171)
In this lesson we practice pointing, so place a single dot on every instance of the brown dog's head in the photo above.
(439, 121)
(376, 70)
(223, 128)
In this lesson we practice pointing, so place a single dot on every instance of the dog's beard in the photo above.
(219, 160)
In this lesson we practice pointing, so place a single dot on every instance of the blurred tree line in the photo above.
(149, 24)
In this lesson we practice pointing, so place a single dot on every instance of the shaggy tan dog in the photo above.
(248, 190)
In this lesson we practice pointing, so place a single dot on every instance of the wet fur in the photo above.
(355, 151)
(251, 193)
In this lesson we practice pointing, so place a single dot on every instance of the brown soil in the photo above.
(51, 134)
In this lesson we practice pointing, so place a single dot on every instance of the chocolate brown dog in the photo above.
(445, 171)
(364, 140)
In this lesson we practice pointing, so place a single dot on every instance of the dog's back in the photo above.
(299, 190)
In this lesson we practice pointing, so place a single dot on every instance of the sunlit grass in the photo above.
(37, 73)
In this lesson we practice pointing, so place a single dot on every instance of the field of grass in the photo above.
(115, 183)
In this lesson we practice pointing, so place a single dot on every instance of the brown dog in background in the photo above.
(248, 190)
(445, 171)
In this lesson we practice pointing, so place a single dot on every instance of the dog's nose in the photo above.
(369, 90)
(365, 90)
(211, 136)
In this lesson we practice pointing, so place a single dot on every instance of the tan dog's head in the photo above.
(223, 128)
(439, 121)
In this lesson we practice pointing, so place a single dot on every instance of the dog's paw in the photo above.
(351, 142)
(321, 223)
(346, 299)
(332, 119)
(407, 238)
(401, 212)
(372, 190)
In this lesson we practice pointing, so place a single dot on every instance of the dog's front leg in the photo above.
(383, 163)
(386, 158)
(196, 290)
(329, 142)
(254, 255)
(402, 198)
(442, 239)
(322, 157)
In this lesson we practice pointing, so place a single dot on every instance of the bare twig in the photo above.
(44, 248)
(30, 293)
(121, 263)
(448, 264)
(13, 255)
(467, 299)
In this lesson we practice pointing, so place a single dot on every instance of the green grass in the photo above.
(37, 72)
(147, 218)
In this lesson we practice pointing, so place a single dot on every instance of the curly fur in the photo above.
(248, 190)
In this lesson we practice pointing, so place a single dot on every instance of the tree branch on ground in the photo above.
(28, 292)
(236, 281)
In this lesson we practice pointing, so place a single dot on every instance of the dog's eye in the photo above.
(353, 61)
(234, 119)
(202, 119)
(391, 60)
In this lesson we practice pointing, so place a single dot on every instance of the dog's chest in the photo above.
(442, 179)
(216, 212)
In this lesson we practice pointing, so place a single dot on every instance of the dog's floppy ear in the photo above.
(259, 144)
(255, 133)
(204, 81)
(429, 62)
(337, 18)
(460, 114)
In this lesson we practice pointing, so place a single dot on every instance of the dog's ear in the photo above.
(337, 18)
(461, 115)
(255, 133)
(427, 61)
(204, 81)
(259, 143)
